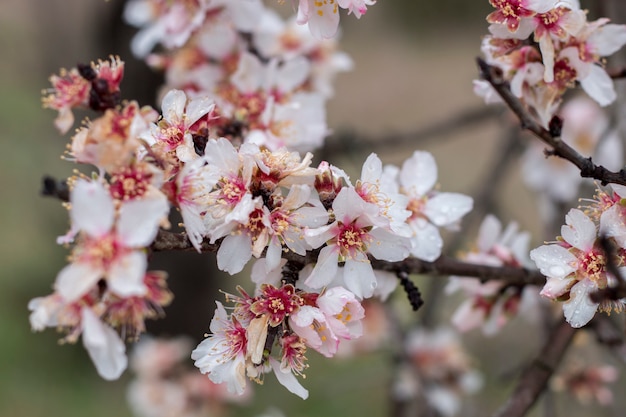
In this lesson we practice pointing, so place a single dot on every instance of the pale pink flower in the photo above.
(353, 235)
(111, 245)
(222, 355)
(575, 268)
(429, 209)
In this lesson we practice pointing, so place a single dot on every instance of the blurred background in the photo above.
(414, 66)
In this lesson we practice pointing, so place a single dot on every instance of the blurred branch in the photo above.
(535, 378)
(551, 137)
(348, 141)
(50, 187)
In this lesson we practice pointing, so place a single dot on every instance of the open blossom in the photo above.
(323, 16)
(575, 267)
(490, 305)
(444, 368)
(587, 384)
(110, 245)
(354, 233)
(429, 208)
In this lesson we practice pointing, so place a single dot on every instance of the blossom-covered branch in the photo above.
(551, 137)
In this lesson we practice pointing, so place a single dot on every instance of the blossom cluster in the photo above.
(224, 151)
(579, 264)
(490, 305)
(544, 48)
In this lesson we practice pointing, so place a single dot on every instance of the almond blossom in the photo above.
(354, 233)
(109, 248)
(490, 305)
(575, 267)
(429, 208)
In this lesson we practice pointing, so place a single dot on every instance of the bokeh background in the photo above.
(413, 73)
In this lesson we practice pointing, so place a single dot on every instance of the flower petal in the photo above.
(105, 348)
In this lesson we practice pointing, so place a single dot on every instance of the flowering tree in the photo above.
(242, 108)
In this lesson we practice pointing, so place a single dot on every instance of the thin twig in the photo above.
(551, 137)
(535, 378)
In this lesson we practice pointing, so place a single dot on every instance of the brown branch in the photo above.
(616, 73)
(551, 137)
(535, 378)
(615, 292)
(169, 241)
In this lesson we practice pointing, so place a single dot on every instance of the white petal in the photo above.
(419, 173)
(608, 39)
(579, 230)
(234, 253)
(579, 310)
(126, 274)
(92, 208)
(105, 348)
(612, 225)
(388, 246)
(447, 208)
(372, 169)
(325, 268)
(76, 279)
(359, 277)
(288, 380)
(426, 242)
(553, 261)
(139, 220)
(599, 85)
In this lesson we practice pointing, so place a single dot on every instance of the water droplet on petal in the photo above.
(556, 271)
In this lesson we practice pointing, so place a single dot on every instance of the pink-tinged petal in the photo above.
(419, 173)
(553, 260)
(556, 287)
(288, 380)
(608, 39)
(599, 85)
(388, 246)
(76, 279)
(579, 309)
(579, 230)
(323, 19)
(447, 208)
(488, 233)
(125, 276)
(92, 208)
(620, 190)
(426, 241)
(139, 220)
(359, 277)
(466, 317)
(348, 205)
(234, 253)
(325, 269)
(105, 348)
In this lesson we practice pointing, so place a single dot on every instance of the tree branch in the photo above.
(170, 241)
(535, 378)
(551, 137)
